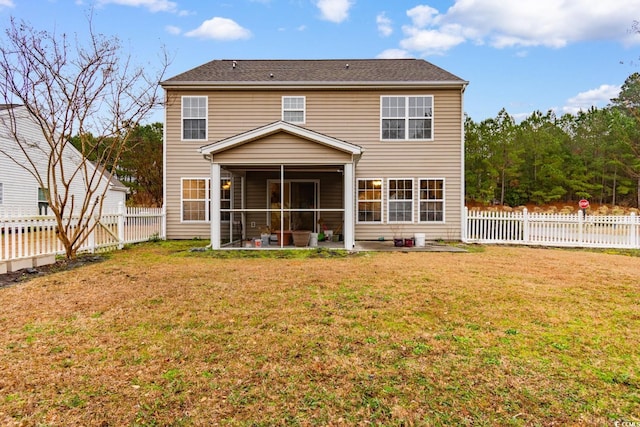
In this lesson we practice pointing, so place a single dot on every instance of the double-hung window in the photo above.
(293, 109)
(195, 199)
(194, 118)
(432, 200)
(400, 200)
(369, 200)
(406, 117)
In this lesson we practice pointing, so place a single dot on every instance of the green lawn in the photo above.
(158, 335)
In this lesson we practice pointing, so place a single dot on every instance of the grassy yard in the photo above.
(158, 335)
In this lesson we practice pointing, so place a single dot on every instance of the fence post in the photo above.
(581, 226)
(525, 226)
(633, 229)
(163, 225)
(91, 238)
(465, 223)
(121, 217)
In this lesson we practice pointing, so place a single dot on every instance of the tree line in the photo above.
(139, 166)
(593, 154)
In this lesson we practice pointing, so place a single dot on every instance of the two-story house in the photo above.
(20, 192)
(370, 149)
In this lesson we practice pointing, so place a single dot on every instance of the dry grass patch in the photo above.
(157, 335)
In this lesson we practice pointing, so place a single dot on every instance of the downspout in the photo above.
(164, 171)
(463, 215)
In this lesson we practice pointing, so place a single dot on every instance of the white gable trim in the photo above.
(276, 127)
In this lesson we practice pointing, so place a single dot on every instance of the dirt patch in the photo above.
(26, 274)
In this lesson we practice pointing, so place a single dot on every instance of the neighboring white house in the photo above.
(19, 190)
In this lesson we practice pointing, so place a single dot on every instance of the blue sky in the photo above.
(516, 54)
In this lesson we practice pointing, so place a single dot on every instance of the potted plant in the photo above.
(284, 237)
(321, 229)
(398, 241)
(300, 237)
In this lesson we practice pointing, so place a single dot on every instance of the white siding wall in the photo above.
(20, 187)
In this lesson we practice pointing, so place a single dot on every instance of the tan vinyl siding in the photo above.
(256, 198)
(282, 148)
(349, 115)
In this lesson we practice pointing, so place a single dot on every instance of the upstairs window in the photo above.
(293, 109)
(194, 118)
(406, 117)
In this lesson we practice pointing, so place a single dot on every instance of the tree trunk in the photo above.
(502, 187)
(615, 185)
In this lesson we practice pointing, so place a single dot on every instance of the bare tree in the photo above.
(83, 86)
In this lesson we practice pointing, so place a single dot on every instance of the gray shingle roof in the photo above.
(315, 71)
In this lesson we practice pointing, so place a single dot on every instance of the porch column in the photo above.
(349, 203)
(214, 206)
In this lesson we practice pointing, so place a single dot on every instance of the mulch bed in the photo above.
(26, 274)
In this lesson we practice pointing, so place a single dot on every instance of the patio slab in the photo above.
(361, 245)
(387, 246)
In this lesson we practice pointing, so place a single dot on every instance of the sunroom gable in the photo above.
(283, 133)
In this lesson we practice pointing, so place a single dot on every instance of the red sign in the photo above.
(584, 204)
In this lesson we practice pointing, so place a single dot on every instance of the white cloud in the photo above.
(598, 97)
(172, 29)
(394, 54)
(152, 5)
(334, 10)
(421, 16)
(507, 24)
(220, 29)
(430, 42)
(384, 25)
(7, 3)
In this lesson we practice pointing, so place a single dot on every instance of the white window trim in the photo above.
(444, 197)
(412, 200)
(304, 109)
(381, 200)
(1, 193)
(207, 200)
(206, 118)
(406, 117)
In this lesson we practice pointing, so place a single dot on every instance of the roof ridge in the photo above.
(315, 71)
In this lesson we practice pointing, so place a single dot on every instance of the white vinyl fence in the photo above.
(545, 229)
(30, 236)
